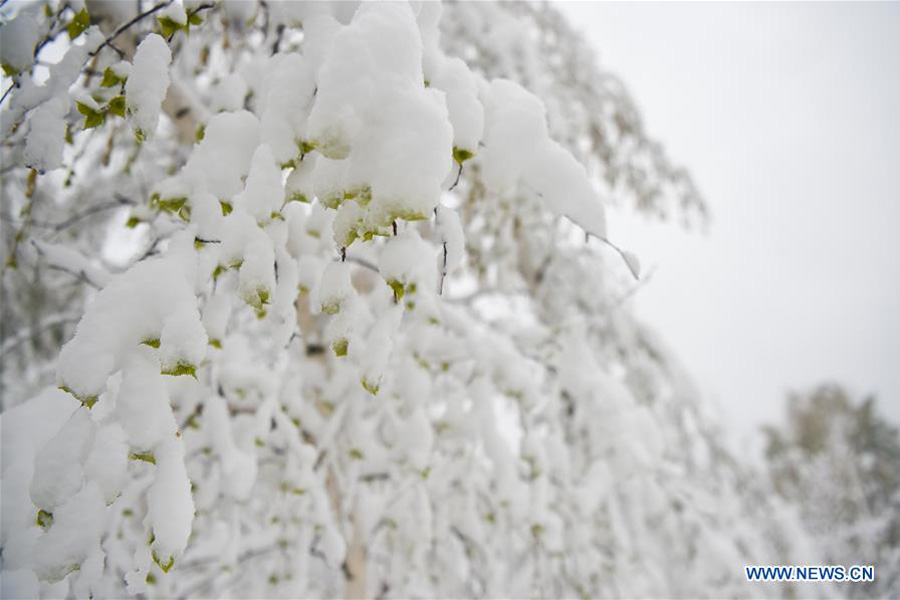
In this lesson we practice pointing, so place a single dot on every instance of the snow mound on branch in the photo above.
(221, 161)
(147, 84)
(372, 110)
(17, 40)
(131, 310)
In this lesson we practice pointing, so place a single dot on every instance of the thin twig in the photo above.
(458, 175)
(123, 28)
(6, 93)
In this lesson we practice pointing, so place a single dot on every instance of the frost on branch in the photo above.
(344, 330)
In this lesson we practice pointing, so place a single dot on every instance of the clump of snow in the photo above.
(17, 40)
(46, 138)
(264, 192)
(334, 287)
(287, 92)
(59, 466)
(408, 259)
(515, 123)
(170, 505)
(131, 310)
(176, 12)
(562, 183)
(77, 525)
(221, 161)
(183, 339)
(372, 109)
(229, 93)
(108, 461)
(142, 405)
(238, 467)
(147, 83)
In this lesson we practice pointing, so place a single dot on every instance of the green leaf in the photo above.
(165, 567)
(398, 289)
(80, 22)
(372, 388)
(168, 26)
(152, 342)
(9, 70)
(117, 106)
(132, 222)
(169, 205)
(110, 79)
(195, 19)
(88, 401)
(181, 368)
(92, 117)
(200, 133)
(226, 207)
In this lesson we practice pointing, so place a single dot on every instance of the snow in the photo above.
(372, 109)
(115, 325)
(407, 258)
(170, 506)
(42, 150)
(107, 462)
(452, 236)
(229, 93)
(46, 138)
(257, 273)
(142, 404)
(299, 184)
(287, 369)
(17, 40)
(183, 339)
(147, 83)
(77, 525)
(176, 12)
(334, 288)
(515, 125)
(264, 192)
(221, 161)
(59, 466)
(287, 92)
(238, 467)
(465, 111)
(562, 183)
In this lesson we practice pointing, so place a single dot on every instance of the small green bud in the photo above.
(144, 456)
(44, 519)
(340, 347)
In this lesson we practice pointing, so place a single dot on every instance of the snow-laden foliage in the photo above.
(351, 325)
(839, 460)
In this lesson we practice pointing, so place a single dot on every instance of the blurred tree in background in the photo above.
(838, 459)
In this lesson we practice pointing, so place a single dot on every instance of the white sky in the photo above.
(788, 115)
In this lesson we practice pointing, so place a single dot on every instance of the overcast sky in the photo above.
(788, 115)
